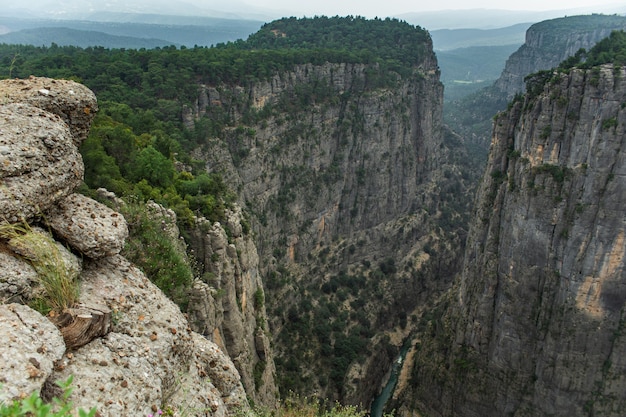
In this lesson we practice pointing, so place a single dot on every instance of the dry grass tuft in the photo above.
(57, 278)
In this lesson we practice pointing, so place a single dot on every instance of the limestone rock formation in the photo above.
(18, 279)
(90, 227)
(228, 307)
(29, 347)
(74, 103)
(151, 358)
(141, 353)
(536, 324)
(550, 42)
(39, 162)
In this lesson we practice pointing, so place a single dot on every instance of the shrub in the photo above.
(156, 253)
(259, 299)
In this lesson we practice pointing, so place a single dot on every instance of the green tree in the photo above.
(152, 166)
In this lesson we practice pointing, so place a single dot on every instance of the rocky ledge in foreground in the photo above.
(143, 355)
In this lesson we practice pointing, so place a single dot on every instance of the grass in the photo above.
(56, 277)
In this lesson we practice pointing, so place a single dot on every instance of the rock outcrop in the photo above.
(145, 356)
(536, 324)
(228, 305)
(550, 42)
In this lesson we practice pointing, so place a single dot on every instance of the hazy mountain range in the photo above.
(137, 10)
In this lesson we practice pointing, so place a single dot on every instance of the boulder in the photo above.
(74, 103)
(90, 227)
(150, 359)
(39, 163)
(29, 346)
(18, 279)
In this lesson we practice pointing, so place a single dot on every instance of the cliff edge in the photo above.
(134, 351)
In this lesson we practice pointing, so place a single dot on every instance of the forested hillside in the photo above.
(142, 94)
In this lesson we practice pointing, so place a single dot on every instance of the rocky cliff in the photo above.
(550, 42)
(356, 204)
(227, 305)
(130, 349)
(535, 324)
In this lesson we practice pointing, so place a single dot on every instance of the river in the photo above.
(378, 405)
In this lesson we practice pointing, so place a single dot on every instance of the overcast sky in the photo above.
(371, 8)
(266, 10)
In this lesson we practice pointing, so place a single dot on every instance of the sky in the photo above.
(266, 10)
(381, 8)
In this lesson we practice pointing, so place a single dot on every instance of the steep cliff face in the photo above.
(535, 325)
(550, 42)
(347, 181)
(228, 304)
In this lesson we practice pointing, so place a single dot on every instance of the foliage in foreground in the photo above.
(34, 406)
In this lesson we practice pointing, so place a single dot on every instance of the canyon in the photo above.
(360, 224)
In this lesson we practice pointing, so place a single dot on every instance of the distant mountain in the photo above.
(491, 19)
(173, 30)
(81, 38)
(91, 9)
(447, 39)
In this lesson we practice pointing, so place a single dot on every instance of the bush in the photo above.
(298, 407)
(156, 253)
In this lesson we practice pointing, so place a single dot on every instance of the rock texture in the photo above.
(550, 42)
(151, 358)
(536, 324)
(227, 305)
(42, 124)
(92, 228)
(39, 163)
(29, 347)
(18, 279)
(142, 355)
(74, 103)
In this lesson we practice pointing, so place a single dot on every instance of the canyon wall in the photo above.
(535, 324)
(550, 42)
(356, 196)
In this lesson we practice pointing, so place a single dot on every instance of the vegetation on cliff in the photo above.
(548, 44)
(610, 50)
(371, 40)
